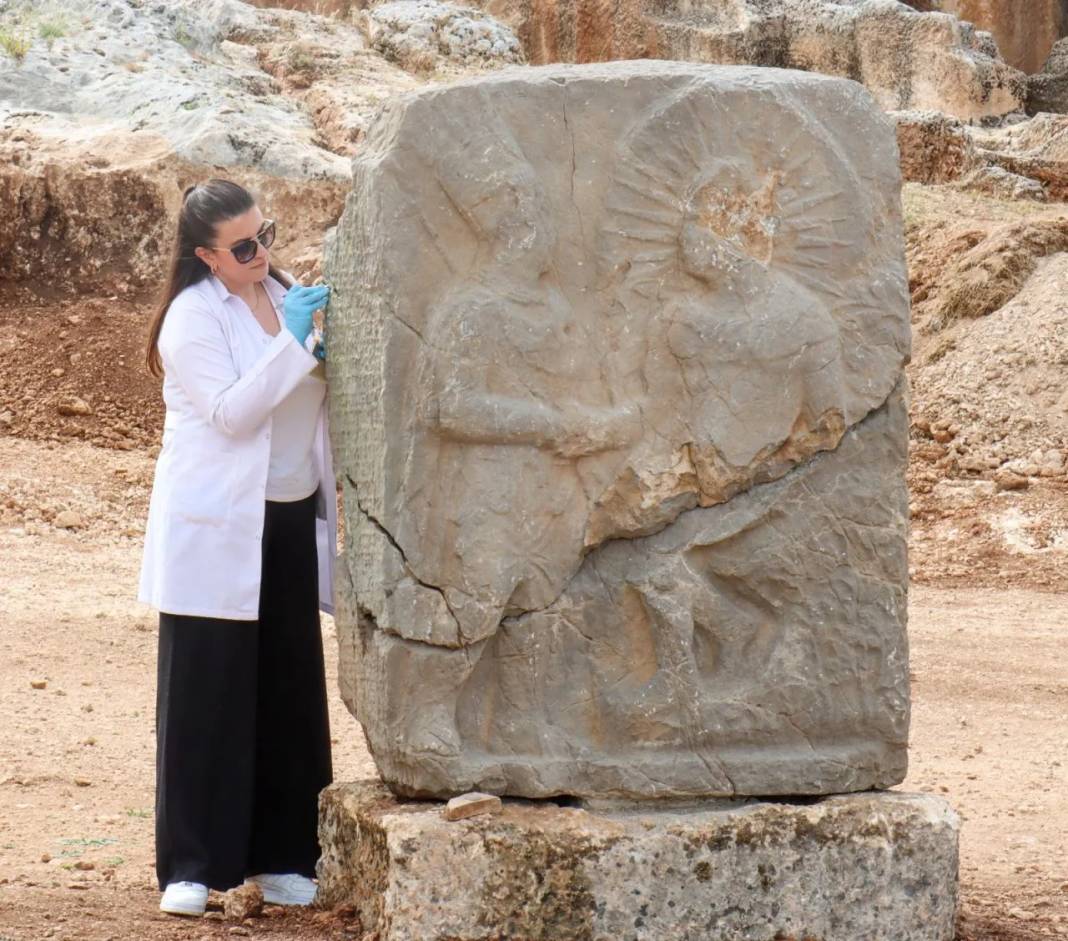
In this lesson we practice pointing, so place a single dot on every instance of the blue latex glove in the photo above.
(299, 305)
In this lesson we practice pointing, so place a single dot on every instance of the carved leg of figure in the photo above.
(428, 730)
(656, 709)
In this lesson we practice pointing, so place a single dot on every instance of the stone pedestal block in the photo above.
(864, 867)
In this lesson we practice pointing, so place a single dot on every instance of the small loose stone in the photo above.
(472, 804)
(73, 405)
(68, 519)
(243, 901)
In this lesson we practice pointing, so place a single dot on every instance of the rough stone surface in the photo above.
(100, 206)
(243, 901)
(909, 60)
(104, 124)
(1025, 30)
(615, 403)
(935, 148)
(1037, 149)
(133, 68)
(420, 34)
(1002, 184)
(1048, 91)
(877, 867)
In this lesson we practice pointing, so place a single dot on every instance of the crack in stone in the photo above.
(574, 165)
(797, 470)
(407, 566)
(593, 551)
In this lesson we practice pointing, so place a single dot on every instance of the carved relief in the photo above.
(615, 386)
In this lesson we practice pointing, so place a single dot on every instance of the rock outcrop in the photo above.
(96, 210)
(109, 112)
(909, 60)
(615, 374)
(1036, 149)
(934, 147)
(423, 35)
(1025, 30)
(1048, 90)
(163, 69)
(1029, 158)
(988, 380)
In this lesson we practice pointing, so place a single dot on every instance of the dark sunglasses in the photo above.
(245, 250)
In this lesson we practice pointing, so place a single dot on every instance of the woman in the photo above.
(239, 554)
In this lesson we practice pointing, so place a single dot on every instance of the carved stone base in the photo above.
(867, 866)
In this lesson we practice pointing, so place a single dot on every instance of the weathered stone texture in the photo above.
(615, 397)
(877, 867)
(1029, 158)
(1047, 92)
(1025, 31)
(935, 148)
(908, 60)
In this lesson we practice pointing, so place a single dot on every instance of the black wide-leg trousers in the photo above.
(242, 724)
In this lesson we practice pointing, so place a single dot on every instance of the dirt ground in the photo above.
(77, 754)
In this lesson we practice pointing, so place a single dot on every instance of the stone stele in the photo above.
(617, 406)
(856, 867)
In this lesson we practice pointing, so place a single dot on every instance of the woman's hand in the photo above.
(300, 304)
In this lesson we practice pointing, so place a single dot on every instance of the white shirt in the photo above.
(221, 386)
(292, 473)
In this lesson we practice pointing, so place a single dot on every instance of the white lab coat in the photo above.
(223, 377)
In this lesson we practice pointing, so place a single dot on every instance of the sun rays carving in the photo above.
(741, 200)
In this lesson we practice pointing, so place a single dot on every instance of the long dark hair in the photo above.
(204, 206)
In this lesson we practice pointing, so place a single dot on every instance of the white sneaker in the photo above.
(287, 889)
(184, 898)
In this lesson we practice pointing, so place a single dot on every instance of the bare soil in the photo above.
(55, 352)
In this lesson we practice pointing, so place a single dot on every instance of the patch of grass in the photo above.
(79, 844)
(114, 860)
(51, 30)
(190, 105)
(14, 44)
(137, 812)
